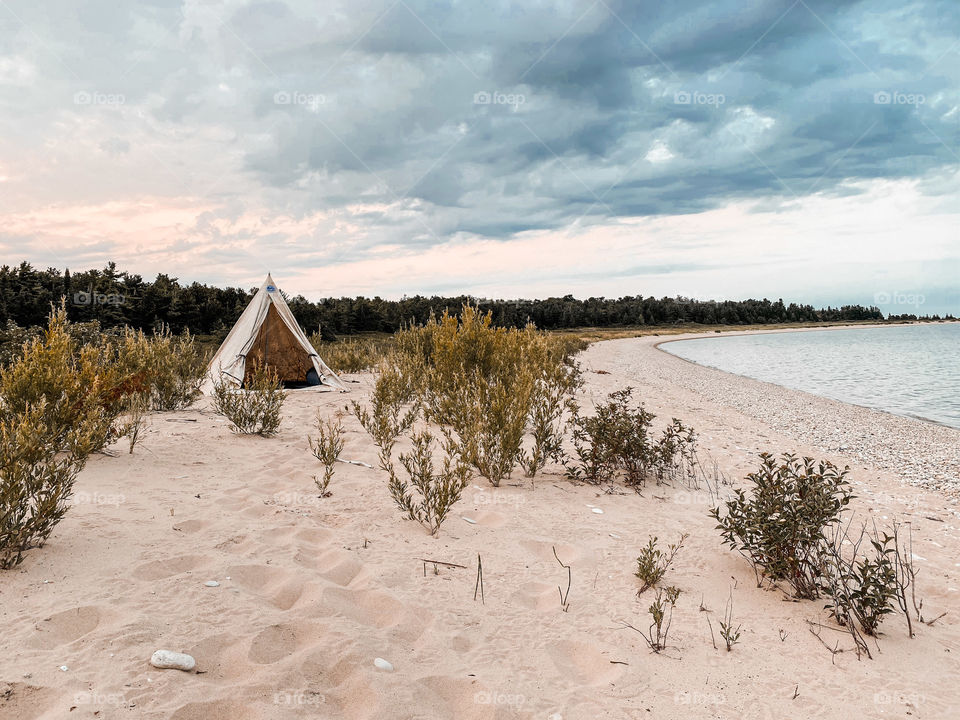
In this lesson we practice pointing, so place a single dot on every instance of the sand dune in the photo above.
(313, 590)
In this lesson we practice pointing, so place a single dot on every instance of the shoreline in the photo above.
(923, 453)
(704, 336)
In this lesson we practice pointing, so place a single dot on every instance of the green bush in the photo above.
(618, 438)
(255, 409)
(780, 527)
(353, 355)
(75, 386)
(170, 368)
(653, 563)
(327, 449)
(36, 481)
(661, 617)
(790, 528)
(429, 492)
(393, 407)
(862, 588)
(489, 386)
(59, 402)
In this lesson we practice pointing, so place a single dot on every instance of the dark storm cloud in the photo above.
(494, 118)
(793, 110)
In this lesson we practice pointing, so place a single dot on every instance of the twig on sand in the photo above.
(564, 597)
(713, 637)
(479, 585)
(835, 650)
(354, 462)
(435, 563)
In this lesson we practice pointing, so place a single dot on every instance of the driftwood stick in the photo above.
(479, 585)
(442, 562)
(564, 597)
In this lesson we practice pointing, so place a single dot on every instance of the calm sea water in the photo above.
(909, 370)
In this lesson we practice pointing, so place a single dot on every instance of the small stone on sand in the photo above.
(167, 659)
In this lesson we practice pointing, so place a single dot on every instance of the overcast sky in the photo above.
(805, 150)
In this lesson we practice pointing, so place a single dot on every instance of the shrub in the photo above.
(353, 355)
(327, 449)
(428, 494)
(255, 409)
(862, 588)
(780, 527)
(387, 419)
(488, 385)
(661, 617)
(74, 387)
(618, 438)
(729, 633)
(135, 409)
(674, 454)
(13, 338)
(653, 563)
(436, 491)
(790, 529)
(171, 368)
(555, 381)
(36, 481)
(59, 402)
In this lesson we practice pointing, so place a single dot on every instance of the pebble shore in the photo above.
(921, 453)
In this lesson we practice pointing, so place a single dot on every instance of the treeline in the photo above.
(114, 297)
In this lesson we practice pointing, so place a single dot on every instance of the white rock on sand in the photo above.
(319, 588)
(170, 660)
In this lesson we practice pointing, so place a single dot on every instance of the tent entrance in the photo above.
(277, 348)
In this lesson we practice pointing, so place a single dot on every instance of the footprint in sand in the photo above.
(214, 710)
(583, 663)
(351, 683)
(272, 644)
(568, 554)
(65, 626)
(338, 566)
(373, 608)
(160, 569)
(470, 700)
(221, 656)
(287, 595)
(258, 511)
(19, 700)
(190, 526)
(538, 596)
(261, 579)
(282, 588)
(315, 536)
(367, 607)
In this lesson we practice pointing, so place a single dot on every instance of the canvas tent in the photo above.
(268, 333)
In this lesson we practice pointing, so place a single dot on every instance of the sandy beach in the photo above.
(313, 590)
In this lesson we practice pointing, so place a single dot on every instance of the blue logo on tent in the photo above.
(270, 288)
